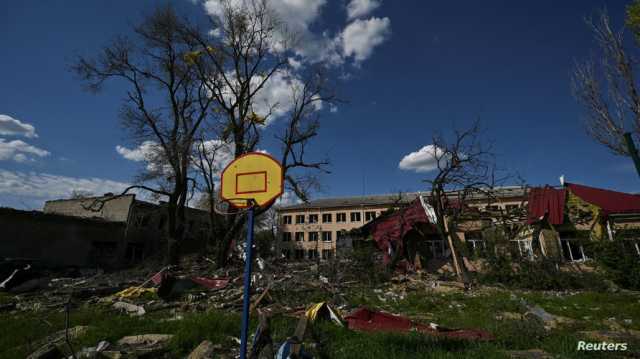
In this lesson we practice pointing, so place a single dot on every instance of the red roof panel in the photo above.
(609, 201)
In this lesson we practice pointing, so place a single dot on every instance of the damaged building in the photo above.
(545, 221)
(107, 231)
(317, 229)
(567, 217)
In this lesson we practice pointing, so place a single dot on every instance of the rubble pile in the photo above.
(278, 288)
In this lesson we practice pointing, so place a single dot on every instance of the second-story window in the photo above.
(313, 218)
(369, 215)
(286, 219)
(299, 218)
(355, 216)
(313, 236)
(299, 236)
(326, 218)
(341, 217)
(286, 236)
(326, 236)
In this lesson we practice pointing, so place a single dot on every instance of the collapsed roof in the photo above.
(550, 202)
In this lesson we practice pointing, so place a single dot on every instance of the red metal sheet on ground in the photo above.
(364, 319)
(211, 283)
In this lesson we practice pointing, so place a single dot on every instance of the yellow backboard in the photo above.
(254, 175)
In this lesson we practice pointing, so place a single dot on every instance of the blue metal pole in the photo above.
(248, 263)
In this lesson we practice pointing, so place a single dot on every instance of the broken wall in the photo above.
(57, 241)
(114, 209)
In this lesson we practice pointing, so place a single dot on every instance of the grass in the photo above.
(475, 310)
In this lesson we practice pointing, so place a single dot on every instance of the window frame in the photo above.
(369, 216)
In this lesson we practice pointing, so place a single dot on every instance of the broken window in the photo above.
(523, 247)
(369, 216)
(326, 218)
(327, 254)
(312, 254)
(286, 219)
(313, 236)
(340, 235)
(355, 216)
(135, 252)
(299, 253)
(286, 236)
(341, 217)
(313, 218)
(326, 236)
(632, 245)
(572, 250)
(475, 243)
(299, 218)
(299, 236)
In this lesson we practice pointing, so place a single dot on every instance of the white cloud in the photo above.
(296, 15)
(295, 64)
(18, 150)
(145, 152)
(287, 198)
(357, 39)
(276, 96)
(10, 126)
(358, 8)
(148, 152)
(423, 160)
(222, 152)
(360, 37)
(44, 186)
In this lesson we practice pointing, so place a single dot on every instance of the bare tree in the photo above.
(208, 158)
(165, 105)
(464, 166)
(606, 88)
(251, 48)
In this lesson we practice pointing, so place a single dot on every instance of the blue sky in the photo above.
(429, 67)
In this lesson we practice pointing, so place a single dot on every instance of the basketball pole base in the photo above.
(248, 265)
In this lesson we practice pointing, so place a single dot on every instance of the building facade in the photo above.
(317, 229)
(314, 230)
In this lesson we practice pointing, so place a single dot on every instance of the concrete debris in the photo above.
(203, 351)
(93, 352)
(145, 344)
(550, 321)
(129, 308)
(145, 339)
